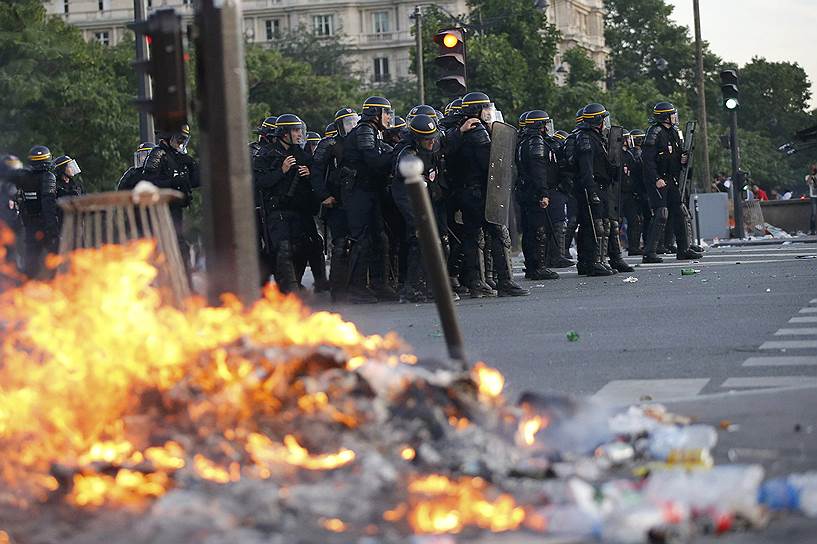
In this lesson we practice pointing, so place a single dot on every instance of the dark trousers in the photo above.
(812, 224)
(367, 232)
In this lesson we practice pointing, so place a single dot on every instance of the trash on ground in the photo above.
(572, 336)
(690, 271)
(630, 279)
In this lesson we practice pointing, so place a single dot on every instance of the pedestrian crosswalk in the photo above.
(797, 352)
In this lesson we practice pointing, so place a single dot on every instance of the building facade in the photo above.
(378, 32)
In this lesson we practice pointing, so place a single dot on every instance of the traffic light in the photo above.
(729, 88)
(165, 65)
(451, 61)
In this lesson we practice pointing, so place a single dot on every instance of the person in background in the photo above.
(811, 181)
(760, 194)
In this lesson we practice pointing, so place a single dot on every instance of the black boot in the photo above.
(357, 291)
(414, 288)
(501, 258)
(544, 245)
(634, 235)
(339, 268)
(654, 234)
(617, 262)
(285, 269)
(602, 232)
(556, 256)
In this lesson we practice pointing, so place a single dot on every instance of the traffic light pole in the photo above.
(143, 80)
(229, 211)
(737, 182)
(702, 120)
(418, 35)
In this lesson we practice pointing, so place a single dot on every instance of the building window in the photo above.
(187, 2)
(323, 25)
(273, 27)
(150, 4)
(103, 37)
(65, 6)
(381, 69)
(381, 23)
(104, 5)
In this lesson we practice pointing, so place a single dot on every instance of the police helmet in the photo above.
(538, 119)
(141, 154)
(580, 116)
(313, 137)
(292, 126)
(422, 109)
(66, 166)
(522, 119)
(423, 127)
(9, 163)
(377, 108)
(330, 131)
(455, 107)
(595, 115)
(663, 112)
(561, 135)
(439, 115)
(637, 137)
(39, 157)
(345, 120)
(267, 126)
(473, 103)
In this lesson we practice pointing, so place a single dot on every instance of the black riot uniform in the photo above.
(134, 174)
(69, 181)
(260, 150)
(365, 171)
(424, 141)
(453, 120)
(620, 180)
(472, 161)
(632, 191)
(286, 197)
(592, 179)
(37, 200)
(662, 162)
(326, 184)
(538, 168)
(10, 168)
(168, 166)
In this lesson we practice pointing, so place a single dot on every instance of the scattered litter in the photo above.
(689, 271)
(728, 426)
(768, 290)
(630, 279)
(572, 336)
(806, 257)
(705, 280)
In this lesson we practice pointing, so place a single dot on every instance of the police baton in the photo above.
(590, 212)
(411, 169)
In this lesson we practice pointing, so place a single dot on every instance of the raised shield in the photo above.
(615, 153)
(689, 148)
(501, 173)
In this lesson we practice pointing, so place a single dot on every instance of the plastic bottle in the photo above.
(795, 492)
(665, 440)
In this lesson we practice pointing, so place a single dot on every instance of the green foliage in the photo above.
(61, 92)
(582, 67)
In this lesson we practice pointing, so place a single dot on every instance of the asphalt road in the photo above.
(665, 336)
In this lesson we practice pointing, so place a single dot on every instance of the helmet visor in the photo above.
(673, 118)
(488, 114)
(296, 136)
(387, 118)
(179, 142)
(347, 123)
(606, 125)
(72, 168)
(549, 127)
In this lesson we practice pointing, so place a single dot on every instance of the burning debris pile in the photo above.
(126, 420)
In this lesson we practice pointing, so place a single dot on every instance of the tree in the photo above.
(75, 97)
(582, 67)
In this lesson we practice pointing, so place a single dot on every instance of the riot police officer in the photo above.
(663, 159)
(133, 174)
(472, 160)
(281, 175)
(260, 153)
(423, 141)
(168, 166)
(37, 200)
(619, 178)
(326, 184)
(593, 177)
(311, 142)
(10, 168)
(632, 190)
(69, 181)
(538, 167)
(365, 170)
(396, 132)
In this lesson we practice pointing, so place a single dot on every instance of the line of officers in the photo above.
(349, 179)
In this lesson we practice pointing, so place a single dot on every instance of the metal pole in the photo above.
(229, 217)
(142, 78)
(699, 57)
(418, 35)
(697, 220)
(737, 182)
(412, 170)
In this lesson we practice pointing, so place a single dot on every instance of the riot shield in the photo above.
(501, 173)
(689, 149)
(615, 153)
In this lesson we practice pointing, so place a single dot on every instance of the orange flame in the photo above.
(441, 505)
(489, 380)
(264, 452)
(528, 427)
(77, 355)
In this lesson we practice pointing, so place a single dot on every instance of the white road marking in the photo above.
(771, 381)
(813, 301)
(632, 391)
(808, 319)
(785, 360)
(796, 332)
(789, 344)
(809, 310)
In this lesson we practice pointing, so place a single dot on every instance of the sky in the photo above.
(737, 30)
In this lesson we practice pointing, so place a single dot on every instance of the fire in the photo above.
(489, 380)
(91, 360)
(442, 505)
(335, 525)
(528, 427)
(264, 451)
